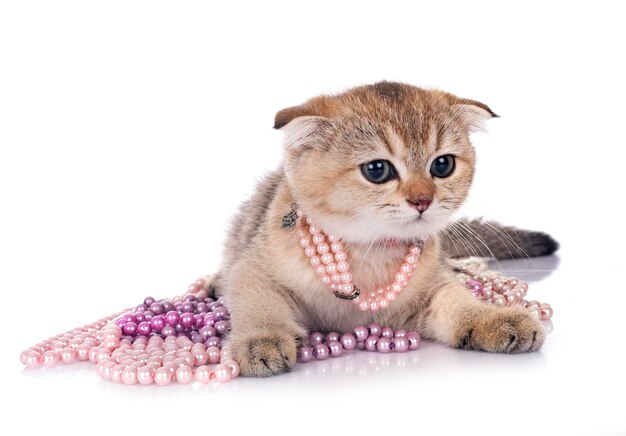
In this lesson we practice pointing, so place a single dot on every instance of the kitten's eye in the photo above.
(378, 171)
(442, 166)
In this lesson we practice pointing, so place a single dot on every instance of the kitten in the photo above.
(378, 163)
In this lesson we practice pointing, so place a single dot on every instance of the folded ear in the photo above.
(473, 113)
(300, 125)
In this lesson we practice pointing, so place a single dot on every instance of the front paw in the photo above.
(502, 330)
(266, 353)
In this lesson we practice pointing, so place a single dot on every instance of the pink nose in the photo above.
(421, 203)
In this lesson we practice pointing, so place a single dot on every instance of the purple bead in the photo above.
(148, 315)
(316, 338)
(332, 337)
(144, 328)
(172, 317)
(187, 307)
(360, 345)
(370, 343)
(475, 286)
(374, 329)
(121, 322)
(141, 308)
(213, 341)
(305, 354)
(167, 306)
(207, 331)
(130, 328)
(209, 319)
(321, 352)
(336, 349)
(400, 333)
(383, 345)
(400, 344)
(222, 327)
(386, 332)
(221, 313)
(214, 305)
(156, 308)
(190, 297)
(361, 333)
(197, 339)
(157, 322)
(414, 340)
(180, 328)
(140, 317)
(348, 341)
(186, 319)
(198, 321)
(168, 330)
(148, 301)
(202, 308)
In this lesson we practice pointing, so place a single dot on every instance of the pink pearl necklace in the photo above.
(330, 260)
(494, 288)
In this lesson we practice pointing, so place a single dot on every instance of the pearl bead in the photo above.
(370, 343)
(361, 333)
(383, 345)
(401, 344)
(310, 251)
(331, 268)
(315, 261)
(343, 266)
(336, 247)
(184, 374)
(222, 373)
(203, 374)
(305, 354)
(414, 340)
(323, 248)
(305, 242)
(316, 338)
(318, 239)
(341, 255)
(327, 258)
(348, 341)
(336, 349)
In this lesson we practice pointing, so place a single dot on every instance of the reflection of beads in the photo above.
(372, 338)
(494, 288)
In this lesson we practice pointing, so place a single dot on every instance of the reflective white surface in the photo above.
(131, 131)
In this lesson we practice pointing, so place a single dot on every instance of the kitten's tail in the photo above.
(481, 238)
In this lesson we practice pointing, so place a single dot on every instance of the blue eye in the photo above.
(378, 171)
(442, 166)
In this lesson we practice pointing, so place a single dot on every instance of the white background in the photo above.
(130, 131)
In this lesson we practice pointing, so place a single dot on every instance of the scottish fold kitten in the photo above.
(378, 166)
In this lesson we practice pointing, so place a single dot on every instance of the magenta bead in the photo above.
(144, 328)
(157, 322)
(130, 328)
(172, 317)
(186, 319)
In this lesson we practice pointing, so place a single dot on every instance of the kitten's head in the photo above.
(383, 161)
